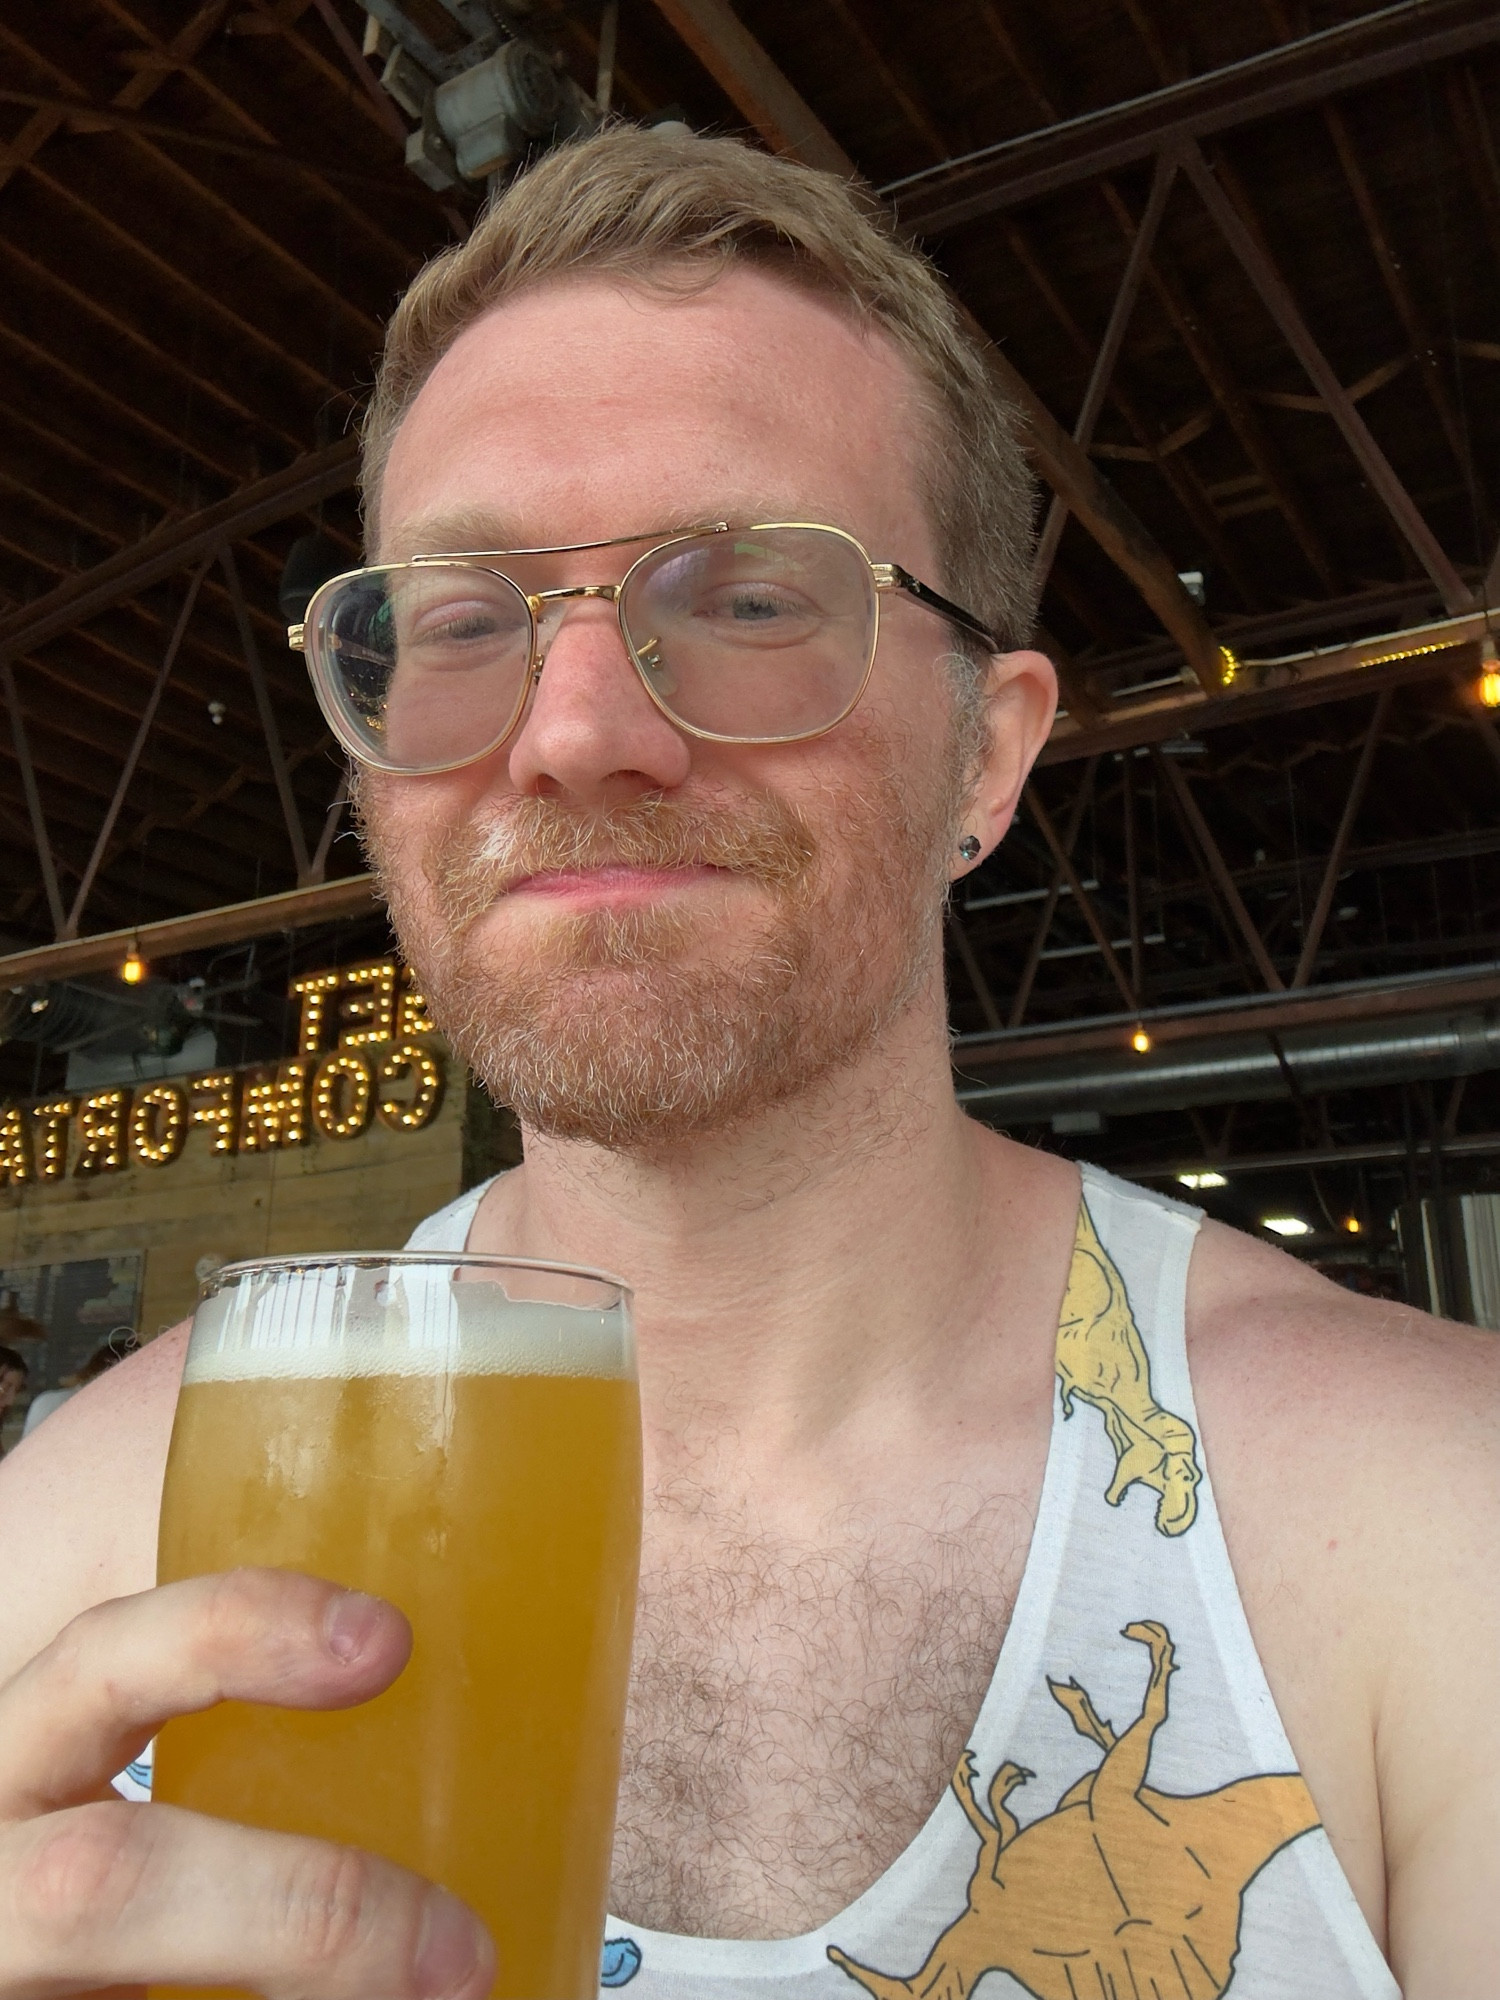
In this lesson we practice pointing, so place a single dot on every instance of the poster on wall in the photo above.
(78, 1305)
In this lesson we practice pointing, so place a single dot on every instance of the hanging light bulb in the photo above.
(1140, 1041)
(1489, 673)
(134, 970)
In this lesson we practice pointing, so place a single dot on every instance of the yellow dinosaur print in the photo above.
(1101, 1360)
(1121, 1892)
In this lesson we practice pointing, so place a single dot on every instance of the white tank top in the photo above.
(1128, 1822)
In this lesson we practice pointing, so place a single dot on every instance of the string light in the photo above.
(158, 1124)
(1489, 673)
(1140, 1041)
(1352, 1224)
(135, 968)
(343, 1096)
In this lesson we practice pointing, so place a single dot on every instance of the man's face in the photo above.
(632, 935)
(11, 1385)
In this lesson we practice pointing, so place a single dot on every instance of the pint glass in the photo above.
(461, 1436)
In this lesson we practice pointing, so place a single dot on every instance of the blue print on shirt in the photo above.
(620, 1963)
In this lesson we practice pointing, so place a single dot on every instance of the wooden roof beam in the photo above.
(359, 213)
(747, 74)
(178, 544)
(85, 304)
(1387, 42)
(83, 115)
(87, 386)
(203, 298)
(233, 923)
(40, 127)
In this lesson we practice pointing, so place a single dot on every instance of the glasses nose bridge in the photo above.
(548, 621)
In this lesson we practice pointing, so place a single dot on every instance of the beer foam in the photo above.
(338, 1321)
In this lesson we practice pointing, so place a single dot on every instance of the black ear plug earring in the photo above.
(969, 847)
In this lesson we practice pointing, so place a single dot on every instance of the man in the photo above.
(943, 1672)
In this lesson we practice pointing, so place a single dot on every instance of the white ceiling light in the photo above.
(1207, 1179)
(1286, 1225)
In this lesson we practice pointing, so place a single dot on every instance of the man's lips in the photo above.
(614, 884)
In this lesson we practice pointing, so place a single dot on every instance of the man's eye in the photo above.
(454, 625)
(753, 604)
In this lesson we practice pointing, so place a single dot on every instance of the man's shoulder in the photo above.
(79, 1499)
(1352, 1443)
(1303, 1350)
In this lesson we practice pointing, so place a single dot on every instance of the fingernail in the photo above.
(451, 1949)
(350, 1623)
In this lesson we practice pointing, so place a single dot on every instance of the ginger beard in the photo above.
(638, 1028)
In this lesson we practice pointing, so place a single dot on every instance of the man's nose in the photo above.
(592, 732)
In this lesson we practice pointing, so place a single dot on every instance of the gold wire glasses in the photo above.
(764, 634)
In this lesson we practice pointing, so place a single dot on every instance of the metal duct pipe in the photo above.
(1244, 1066)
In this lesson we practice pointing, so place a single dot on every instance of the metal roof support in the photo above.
(1242, 417)
(1277, 298)
(1176, 470)
(267, 715)
(318, 866)
(1132, 874)
(971, 965)
(1081, 896)
(742, 68)
(389, 116)
(148, 716)
(1343, 58)
(1021, 998)
(1109, 347)
(33, 799)
(1402, 297)
(1313, 936)
(1489, 590)
(1218, 869)
(750, 80)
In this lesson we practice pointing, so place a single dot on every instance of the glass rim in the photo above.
(368, 1259)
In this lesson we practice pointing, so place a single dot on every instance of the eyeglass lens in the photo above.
(762, 635)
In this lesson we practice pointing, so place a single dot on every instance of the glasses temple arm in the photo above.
(897, 578)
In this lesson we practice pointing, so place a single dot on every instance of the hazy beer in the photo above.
(423, 1430)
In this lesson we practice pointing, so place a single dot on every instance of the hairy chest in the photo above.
(796, 1711)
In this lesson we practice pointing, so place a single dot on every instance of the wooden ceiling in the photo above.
(204, 219)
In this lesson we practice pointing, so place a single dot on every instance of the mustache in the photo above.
(760, 837)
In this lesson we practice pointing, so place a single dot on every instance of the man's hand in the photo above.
(95, 1893)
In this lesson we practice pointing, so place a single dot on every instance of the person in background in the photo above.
(121, 1342)
(14, 1374)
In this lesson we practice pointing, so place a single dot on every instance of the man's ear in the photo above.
(1021, 701)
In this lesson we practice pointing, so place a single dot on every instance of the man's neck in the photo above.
(797, 1269)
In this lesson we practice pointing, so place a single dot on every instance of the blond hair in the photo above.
(659, 208)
